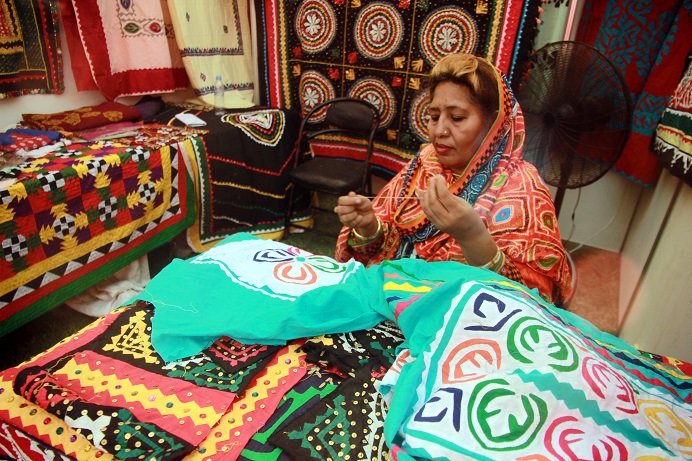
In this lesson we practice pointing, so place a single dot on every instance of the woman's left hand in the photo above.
(449, 213)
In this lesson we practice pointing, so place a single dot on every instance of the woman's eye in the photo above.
(459, 118)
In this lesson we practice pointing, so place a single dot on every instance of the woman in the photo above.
(467, 195)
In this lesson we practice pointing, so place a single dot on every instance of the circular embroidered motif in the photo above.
(376, 92)
(417, 118)
(447, 30)
(314, 89)
(315, 25)
(378, 30)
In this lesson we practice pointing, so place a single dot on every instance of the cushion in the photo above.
(83, 118)
(150, 106)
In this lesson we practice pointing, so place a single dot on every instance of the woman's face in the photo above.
(456, 126)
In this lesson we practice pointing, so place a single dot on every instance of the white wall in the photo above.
(659, 316)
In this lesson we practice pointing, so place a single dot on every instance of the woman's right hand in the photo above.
(355, 211)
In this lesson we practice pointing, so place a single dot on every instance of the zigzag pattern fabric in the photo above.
(77, 213)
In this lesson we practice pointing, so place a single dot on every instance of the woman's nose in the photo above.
(441, 128)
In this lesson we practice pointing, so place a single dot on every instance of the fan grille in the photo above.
(577, 113)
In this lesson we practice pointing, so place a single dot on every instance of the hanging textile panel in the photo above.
(673, 141)
(381, 51)
(648, 42)
(30, 61)
(214, 39)
(81, 71)
(130, 47)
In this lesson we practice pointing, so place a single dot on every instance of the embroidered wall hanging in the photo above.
(214, 40)
(381, 51)
(673, 141)
(130, 47)
(30, 61)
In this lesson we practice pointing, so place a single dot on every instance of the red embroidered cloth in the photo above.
(129, 46)
(649, 47)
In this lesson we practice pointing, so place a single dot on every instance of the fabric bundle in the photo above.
(22, 139)
(83, 118)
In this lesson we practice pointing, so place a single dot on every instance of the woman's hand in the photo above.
(454, 216)
(355, 211)
(449, 213)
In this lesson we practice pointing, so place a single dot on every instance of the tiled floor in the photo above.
(596, 296)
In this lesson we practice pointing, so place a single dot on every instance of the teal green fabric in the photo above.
(488, 369)
(494, 372)
(258, 291)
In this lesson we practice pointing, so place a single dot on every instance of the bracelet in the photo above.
(496, 263)
(361, 240)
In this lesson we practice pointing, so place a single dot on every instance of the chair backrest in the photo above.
(352, 118)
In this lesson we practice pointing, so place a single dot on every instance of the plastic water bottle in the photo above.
(218, 96)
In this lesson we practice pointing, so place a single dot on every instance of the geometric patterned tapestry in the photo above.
(381, 51)
(30, 56)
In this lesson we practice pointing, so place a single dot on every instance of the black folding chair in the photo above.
(351, 125)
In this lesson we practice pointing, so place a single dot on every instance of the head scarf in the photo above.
(506, 191)
(411, 222)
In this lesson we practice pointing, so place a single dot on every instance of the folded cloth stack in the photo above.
(25, 139)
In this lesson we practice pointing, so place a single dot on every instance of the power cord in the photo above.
(595, 234)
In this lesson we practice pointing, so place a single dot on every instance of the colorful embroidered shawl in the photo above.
(129, 46)
(30, 58)
(506, 191)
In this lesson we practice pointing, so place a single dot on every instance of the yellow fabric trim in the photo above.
(32, 415)
(240, 186)
(76, 251)
(237, 416)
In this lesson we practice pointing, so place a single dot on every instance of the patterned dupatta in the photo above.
(410, 224)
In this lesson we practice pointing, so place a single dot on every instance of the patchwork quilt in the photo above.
(76, 215)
